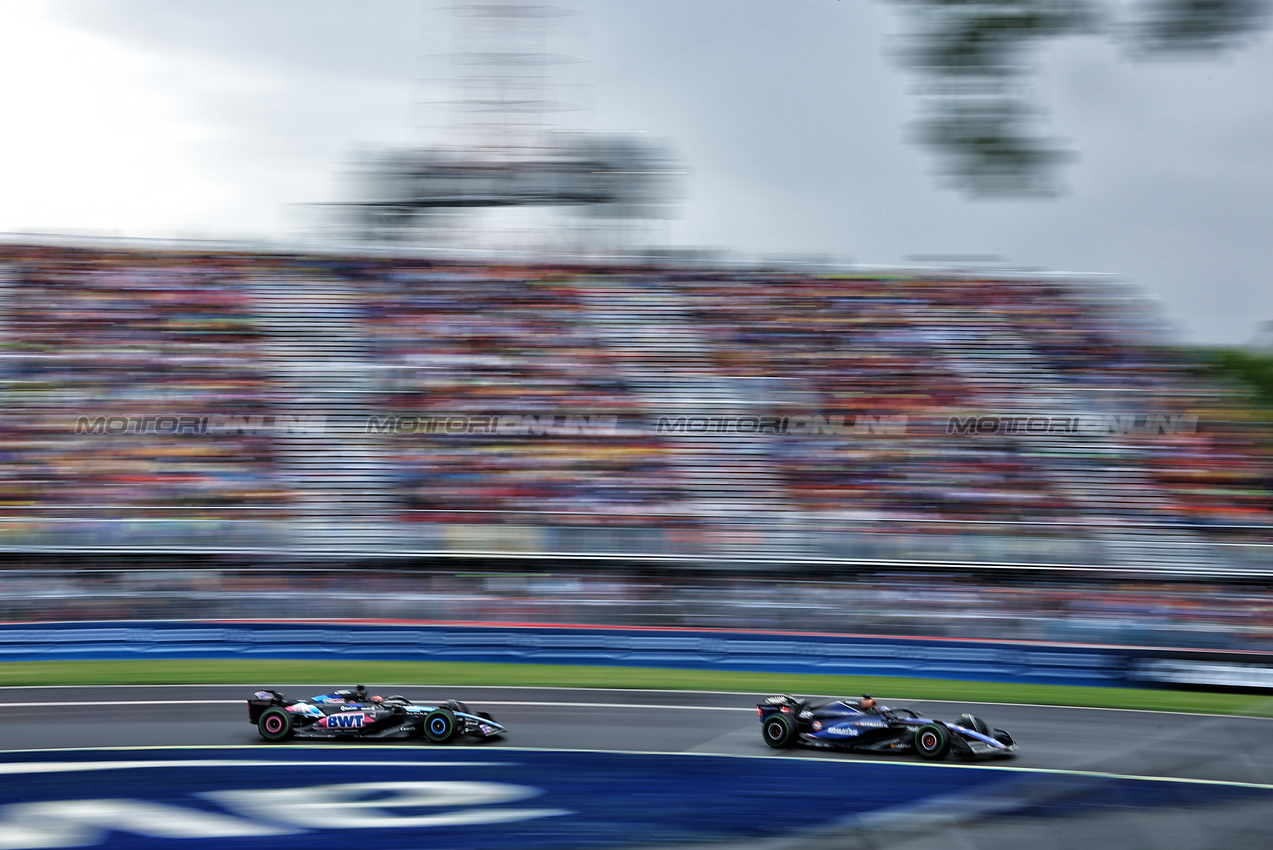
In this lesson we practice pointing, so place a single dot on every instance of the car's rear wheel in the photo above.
(274, 724)
(932, 741)
(439, 725)
(777, 731)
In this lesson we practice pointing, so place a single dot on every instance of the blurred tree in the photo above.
(1250, 369)
(972, 60)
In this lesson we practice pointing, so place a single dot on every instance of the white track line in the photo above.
(78, 766)
(99, 703)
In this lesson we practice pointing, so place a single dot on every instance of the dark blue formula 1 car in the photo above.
(860, 725)
(354, 713)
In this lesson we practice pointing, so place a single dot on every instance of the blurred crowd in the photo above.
(95, 333)
(129, 335)
(515, 341)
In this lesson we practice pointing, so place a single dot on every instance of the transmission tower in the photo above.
(504, 155)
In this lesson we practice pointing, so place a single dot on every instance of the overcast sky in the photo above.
(222, 118)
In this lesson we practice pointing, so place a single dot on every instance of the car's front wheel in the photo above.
(439, 725)
(274, 724)
(932, 741)
(777, 731)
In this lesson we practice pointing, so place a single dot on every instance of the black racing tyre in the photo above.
(439, 725)
(777, 731)
(973, 722)
(932, 741)
(274, 724)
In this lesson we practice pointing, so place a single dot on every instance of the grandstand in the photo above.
(235, 402)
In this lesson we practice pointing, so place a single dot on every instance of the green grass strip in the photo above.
(280, 673)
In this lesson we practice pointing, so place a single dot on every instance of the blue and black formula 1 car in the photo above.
(860, 725)
(354, 713)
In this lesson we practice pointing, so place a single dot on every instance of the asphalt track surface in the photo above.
(1063, 743)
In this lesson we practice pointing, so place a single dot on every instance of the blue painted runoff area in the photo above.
(297, 798)
(633, 647)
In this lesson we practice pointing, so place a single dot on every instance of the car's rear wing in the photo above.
(262, 700)
(785, 703)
